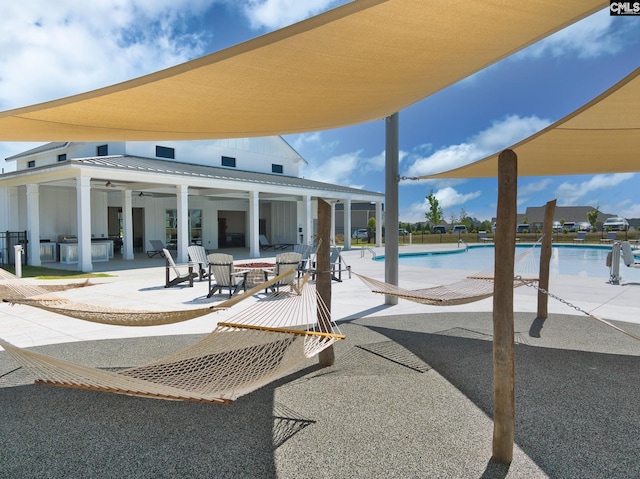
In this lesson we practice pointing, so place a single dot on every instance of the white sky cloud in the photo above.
(576, 193)
(449, 199)
(60, 48)
(274, 14)
(499, 135)
(589, 38)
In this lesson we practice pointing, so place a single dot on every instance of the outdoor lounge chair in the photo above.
(156, 248)
(181, 277)
(264, 243)
(482, 236)
(611, 237)
(198, 256)
(305, 252)
(284, 262)
(336, 265)
(581, 236)
(224, 275)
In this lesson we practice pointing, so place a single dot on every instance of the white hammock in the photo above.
(256, 346)
(470, 289)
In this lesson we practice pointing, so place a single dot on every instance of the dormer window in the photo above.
(276, 168)
(62, 157)
(229, 161)
(165, 152)
(102, 150)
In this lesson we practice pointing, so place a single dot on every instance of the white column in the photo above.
(183, 222)
(347, 224)
(127, 225)
(378, 223)
(83, 205)
(33, 225)
(254, 224)
(307, 228)
(332, 234)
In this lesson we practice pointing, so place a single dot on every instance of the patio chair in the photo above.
(581, 236)
(156, 248)
(336, 264)
(482, 236)
(198, 256)
(284, 262)
(181, 277)
(224, 275)
(305, 252)
(611, 237)
(264, 243)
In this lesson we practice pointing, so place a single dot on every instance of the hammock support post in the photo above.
(503, 319)
(545, 259)
(327, 356)
(392, 178)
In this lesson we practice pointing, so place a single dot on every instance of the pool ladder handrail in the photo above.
(363, 249)
(466, 246)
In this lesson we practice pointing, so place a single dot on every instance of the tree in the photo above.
(371, 229)
(435, 215)
(592, 217)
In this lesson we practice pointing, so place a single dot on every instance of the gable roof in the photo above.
(360, 62)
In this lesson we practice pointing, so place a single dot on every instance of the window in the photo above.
(62, 157)
(102, 150)
(229, 161)
(31, 164)
(171, 228)
(165, 152)
(276, 168)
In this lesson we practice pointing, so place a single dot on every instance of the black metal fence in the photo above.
(8, 241)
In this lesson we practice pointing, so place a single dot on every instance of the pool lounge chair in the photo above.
(181, 277)
(611, 237)
(264, 243)
(581, 236)
(156, 248)
(482, 236)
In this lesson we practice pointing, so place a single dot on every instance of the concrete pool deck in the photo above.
(138, 284)
(410, 395)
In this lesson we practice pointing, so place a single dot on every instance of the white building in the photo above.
(216, 193)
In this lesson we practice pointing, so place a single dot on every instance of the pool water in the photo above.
(566, 260)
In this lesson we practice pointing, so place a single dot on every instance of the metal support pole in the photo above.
(391, 199)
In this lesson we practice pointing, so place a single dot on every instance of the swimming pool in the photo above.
(566, 260)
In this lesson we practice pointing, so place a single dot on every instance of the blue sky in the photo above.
(55, 49)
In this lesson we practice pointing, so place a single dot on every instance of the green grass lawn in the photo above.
(50, 273)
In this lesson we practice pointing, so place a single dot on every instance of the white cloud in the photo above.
(591, 37)
(336, 170)
(499, 135)
(448, 198)
(274, 14)
(573, 193)
(60, 48)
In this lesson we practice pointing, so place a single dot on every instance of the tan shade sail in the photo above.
(360, 62)
(601, 137)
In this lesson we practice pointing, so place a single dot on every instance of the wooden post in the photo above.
(503, 326)
(545, 259)
(323, 277)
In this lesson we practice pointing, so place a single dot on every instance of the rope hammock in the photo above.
(38, 297)
(470, 289)
(255, 347)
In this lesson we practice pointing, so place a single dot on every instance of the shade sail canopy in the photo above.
(359, 62)
(601, 137)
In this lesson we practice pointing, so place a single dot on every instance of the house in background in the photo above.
(216, 193)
